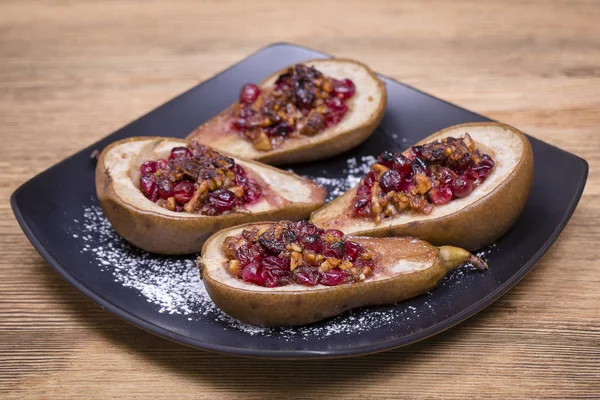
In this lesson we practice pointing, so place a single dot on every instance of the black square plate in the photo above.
(163, 295)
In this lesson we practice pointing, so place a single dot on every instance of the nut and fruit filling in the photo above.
(197, 179)
(429, 175)
(297, 252)
(303, 102)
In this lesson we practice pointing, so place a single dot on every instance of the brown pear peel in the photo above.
(406, 267)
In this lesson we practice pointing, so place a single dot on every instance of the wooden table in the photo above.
(73, 71)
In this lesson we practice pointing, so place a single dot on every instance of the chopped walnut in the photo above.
(238, 191)
(423, 183)
(379, 170)
(294, 247)
(261, 142)
(302, 102)
(344, 265)
(367, 271)
(421, 177)
(366, 255)
(170, 204)
(328, 264)
(312, 258)
(230, 245)
(314, 123)
(234, 267)
(296, 260)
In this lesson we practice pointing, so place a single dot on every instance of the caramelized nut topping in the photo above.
(299, 252)
(425, 176)
(197, 179)
(303, 102)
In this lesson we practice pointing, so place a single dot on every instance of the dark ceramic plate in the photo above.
(155, 292)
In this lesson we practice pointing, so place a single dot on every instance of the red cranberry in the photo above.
(162, 164)
(402, 165)
(148, 167)
(252, 192)
(336, 105)
(281, 129)
(277, 271)
(279, 275)
(447, 176)
(472, 175)
(249, 93)
(344, 89)
(362, 207)
(282, 81)
(221, 200)
(440, 195)
(280, 263)
(487, 160)
(239, 124)
(308, 276)
(165, 188)
(363, 191)
(335, 250)
(238, 170)
(369, 180)
(386, 158)
(183, 191)
(246, 112)
(289, 236)
(270, 281)
(418, 166)
(462, 186)
(254, 273)
(149, 187)
(333, 277)
(312, 242)
(179, 152)
(277, 278)
(484, 167)
(336, 111)
(247, 253)
(353, 250)
(271, 245)
(305, 228)
(391, 180)
(364, 263)
(460, 166)
(416, 151)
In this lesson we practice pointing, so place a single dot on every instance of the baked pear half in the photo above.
(285, 273)
(168, 196)
(463, 186)
(305, 112)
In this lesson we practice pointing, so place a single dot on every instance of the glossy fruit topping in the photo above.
(303, 102)
(249, 93)
(420, 178)
(288, 252)
(199, 180)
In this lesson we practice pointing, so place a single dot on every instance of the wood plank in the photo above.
(72, 72)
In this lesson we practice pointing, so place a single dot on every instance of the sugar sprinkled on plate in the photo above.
(173, 286)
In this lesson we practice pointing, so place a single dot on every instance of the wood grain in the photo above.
(72, 72)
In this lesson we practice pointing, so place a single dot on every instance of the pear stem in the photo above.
(453, 257)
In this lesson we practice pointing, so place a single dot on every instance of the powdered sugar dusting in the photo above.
(173, 286)
(355, 169)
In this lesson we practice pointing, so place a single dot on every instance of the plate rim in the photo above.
(411, 338)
